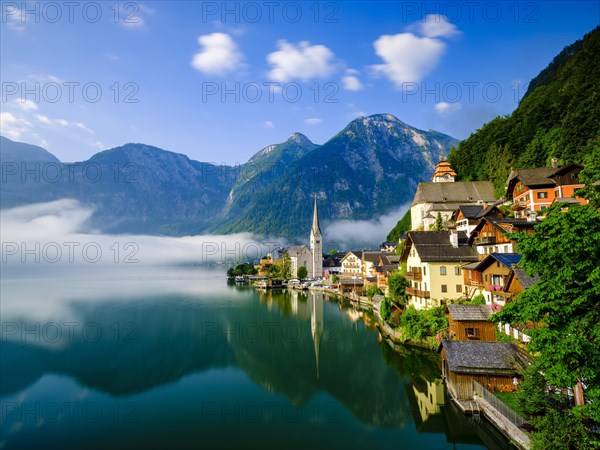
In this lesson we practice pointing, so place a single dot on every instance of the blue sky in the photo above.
(219, 81)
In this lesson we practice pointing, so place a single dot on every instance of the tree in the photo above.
(439, 223)
(565, 303)
(372, 291)
(590, 175)
(397, 284)
(385, 309)
(333, 251)
(302, 272)
(401, 227)
(286, 266)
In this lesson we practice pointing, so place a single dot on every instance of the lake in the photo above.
(167, 357)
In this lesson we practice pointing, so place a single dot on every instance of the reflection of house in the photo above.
(443, 195)
(489, 276)
(470, 323)
(433, 266)
(534, 190)
(490, 235)
(426, 399)
(492, 364)
(352, 264)
(466, 217)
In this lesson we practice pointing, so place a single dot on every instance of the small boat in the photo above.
(239, 279)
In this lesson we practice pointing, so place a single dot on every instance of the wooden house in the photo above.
(493, 364)
(489, 276)
(470, 323)
(491, 234)
(466, 217)
(534, 190)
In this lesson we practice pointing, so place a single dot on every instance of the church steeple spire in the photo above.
(316, 244)
(315, 225)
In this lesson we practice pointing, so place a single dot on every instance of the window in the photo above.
(424, 271)
(459, 288)
(472, 333)
(443, 270)
(543, 207)
(542, 195)
(444, 288)
(457, 270)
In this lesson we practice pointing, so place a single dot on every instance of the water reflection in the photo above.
(183, 331)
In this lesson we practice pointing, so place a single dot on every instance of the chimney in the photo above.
(454, 238)
(532, 217)
(554, 163)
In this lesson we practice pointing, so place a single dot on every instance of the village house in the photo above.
(491, 234)
(516, 282)
(494, 365)
(433, 266)
(386, 265)
(332, 265)
(388, 247)
(467, 217)
(443, 195)
(351, 264)
(534, 190)
(470, 323)
(265, 264)
(369, 264)
(489, 277)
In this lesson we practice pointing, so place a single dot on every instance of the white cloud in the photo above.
(302, 62)
(268, 124)
(219, 55)
(313, 121)
(351, 82)
(407, 58)
(436, 25)
(350, 233)
(447, 108)
(26, 105)
(13, 16)
(12, 126)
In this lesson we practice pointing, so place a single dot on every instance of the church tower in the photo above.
(444, 173)
(316, 245)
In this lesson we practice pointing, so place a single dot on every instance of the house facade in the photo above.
(489, 276)
(491, 234)
(534, 190)
(434, 261)
(470, 323)
(352, 264)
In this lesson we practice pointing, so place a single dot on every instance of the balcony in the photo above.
(417, 293)
(475, 283)
(519, 206)
(485, 240)
(414, 275)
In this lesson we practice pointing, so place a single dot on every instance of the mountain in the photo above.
(559, 117)
(371, 167)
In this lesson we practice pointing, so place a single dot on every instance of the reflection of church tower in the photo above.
(316, 245)
(316, 326)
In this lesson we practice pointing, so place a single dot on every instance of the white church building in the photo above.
(312, 259)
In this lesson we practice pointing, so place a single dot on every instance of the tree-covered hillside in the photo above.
(559, 117)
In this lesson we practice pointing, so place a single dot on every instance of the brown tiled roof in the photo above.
(469, 312)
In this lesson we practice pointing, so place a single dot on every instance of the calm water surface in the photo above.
(177, 358)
